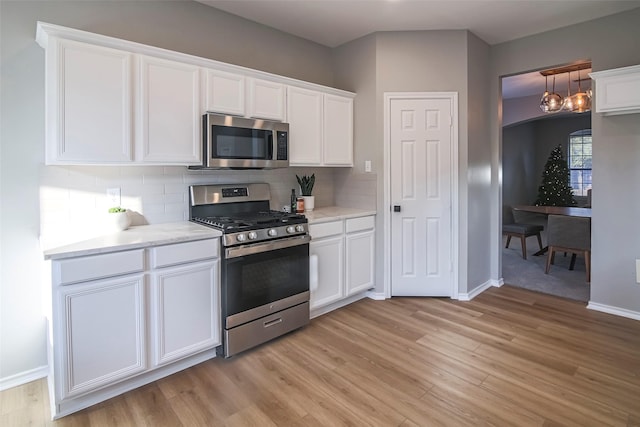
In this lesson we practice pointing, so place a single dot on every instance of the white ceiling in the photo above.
(335, 22)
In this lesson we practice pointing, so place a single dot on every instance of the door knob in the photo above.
(396, 208)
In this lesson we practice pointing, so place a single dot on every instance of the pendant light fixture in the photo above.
(568, 101)
(580, 101)
(550, 102)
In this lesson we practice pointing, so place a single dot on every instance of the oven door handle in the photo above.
(266, 246)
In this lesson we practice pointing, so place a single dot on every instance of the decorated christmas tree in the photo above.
(555, 189)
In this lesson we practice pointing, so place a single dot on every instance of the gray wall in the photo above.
(609, 42)
(183, 26)
(427, 61)
(525, 150)
(478, 169)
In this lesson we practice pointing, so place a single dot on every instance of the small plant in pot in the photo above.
(306, 188)
(118, 219)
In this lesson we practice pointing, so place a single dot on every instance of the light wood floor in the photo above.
(509, 357)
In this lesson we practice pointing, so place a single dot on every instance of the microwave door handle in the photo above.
(272, 141)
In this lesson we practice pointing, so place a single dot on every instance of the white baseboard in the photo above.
(378, 296)
(315, 312)
(23, 377)
(614, 310)
(468, 296)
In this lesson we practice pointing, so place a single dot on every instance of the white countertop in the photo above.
(141, 236)
(334, 213)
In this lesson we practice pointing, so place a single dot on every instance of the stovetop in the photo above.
(251, 221)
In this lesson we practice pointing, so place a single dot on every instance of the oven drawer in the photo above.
(264, 329)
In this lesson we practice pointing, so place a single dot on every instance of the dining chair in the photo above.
(522, 231)
(570, 235)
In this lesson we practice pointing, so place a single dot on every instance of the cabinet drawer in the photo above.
(360, 224)
(87, 268)
(325, 229)
(180, 253)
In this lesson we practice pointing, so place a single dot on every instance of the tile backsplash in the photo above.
(74, 203)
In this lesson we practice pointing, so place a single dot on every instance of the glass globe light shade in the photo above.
(550, 102)
(578, 102)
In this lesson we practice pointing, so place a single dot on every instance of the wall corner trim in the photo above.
(635, 315)
(468, 296)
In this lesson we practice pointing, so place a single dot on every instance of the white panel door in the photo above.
(169, 112)
(185, 311)
(421, 138)
(103, 327)
(304, 114)
(338, 131)
(89, 96)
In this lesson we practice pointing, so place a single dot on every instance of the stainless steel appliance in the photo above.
(238, 143)
(265, 263)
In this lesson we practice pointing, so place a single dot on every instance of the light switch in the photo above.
(638, 271)
(367, 165)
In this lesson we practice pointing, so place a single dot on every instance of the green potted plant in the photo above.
(306, 183)
(118, 219)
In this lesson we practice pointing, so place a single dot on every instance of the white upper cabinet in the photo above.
(89, 104)
(110, 101)
(618, 90)
(225, 93)
(321, 128)
(265, 99)
(338, 131)
(304, 114)
(169, 106)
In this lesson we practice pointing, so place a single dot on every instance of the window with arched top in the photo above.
(579, 159)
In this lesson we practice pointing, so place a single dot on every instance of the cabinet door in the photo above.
(304, 114)
(330, 255)
(169, 107)
(225, 93)
(618, 91)
(89, 104)
(359, 261)
(103, 328)
(338, 131)
(265, 99)
(185, 311)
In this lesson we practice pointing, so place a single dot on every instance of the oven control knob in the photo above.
(299, 228)
(291, 229)
(273, 232)
(241, 237)
(253, 235)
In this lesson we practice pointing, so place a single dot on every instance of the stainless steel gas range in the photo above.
(265, 263)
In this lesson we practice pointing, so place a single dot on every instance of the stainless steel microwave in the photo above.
(238, 143)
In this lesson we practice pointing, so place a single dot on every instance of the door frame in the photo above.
(453, 97)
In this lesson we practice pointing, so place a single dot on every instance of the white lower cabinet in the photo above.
(185, 314)
(123, 319)
(345, 259)
(103, 333)
(330, 281)
(359, 261)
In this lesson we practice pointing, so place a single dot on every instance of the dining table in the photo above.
(554, 210)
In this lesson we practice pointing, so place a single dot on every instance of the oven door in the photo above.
(263, 278)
